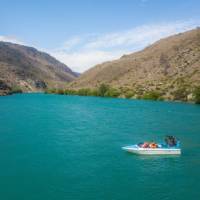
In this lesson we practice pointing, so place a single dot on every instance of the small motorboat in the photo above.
(170, 147)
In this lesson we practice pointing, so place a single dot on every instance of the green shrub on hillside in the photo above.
(103, 88)
(151, 95)
(15, 89)
(94, 92)
(60, 91)
(180, 94)
(129, 94)
(112, 92)
(197, 95)
(84, 92)
(70, 92)
(50, 91)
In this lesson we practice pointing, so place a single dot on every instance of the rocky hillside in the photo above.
(171, 67)
(27, 69)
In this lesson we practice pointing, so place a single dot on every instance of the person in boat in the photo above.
(171, 141)
(148, 145)
(153, 145)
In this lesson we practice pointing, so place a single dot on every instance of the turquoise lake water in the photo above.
(56, 147)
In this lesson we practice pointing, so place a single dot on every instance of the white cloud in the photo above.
(83, 52)
(71, 43)
(10, 39)
(81, 61)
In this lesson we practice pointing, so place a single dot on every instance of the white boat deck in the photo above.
(153, 151)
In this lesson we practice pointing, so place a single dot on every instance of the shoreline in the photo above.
(158, 100)
(191, 95)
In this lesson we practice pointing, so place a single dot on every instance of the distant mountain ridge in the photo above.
(170, 65)
(30, 70)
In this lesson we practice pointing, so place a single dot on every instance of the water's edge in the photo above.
(163, 100)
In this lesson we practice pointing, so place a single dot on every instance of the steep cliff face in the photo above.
(30, 70)
(166, 66)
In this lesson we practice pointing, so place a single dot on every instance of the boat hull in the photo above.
(150, 151)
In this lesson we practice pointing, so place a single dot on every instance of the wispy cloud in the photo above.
(82, 60)
(83, 52)
(10, 39)
(138, 36)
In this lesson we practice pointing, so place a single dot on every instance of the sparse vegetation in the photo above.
(105, 91)
(103, 88)
(15, 89)
(112, 92)
(180, 94)
(197, 95)
(151, 95)
(164, 61)
(84, 92)
(129, 94)
(50, 91)
(60, 91)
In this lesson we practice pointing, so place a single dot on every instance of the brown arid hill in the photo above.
(27, 69)
(171, 66)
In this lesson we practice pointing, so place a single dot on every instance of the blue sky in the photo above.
(82, 33)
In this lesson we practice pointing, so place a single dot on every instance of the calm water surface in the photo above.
(66, 147)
